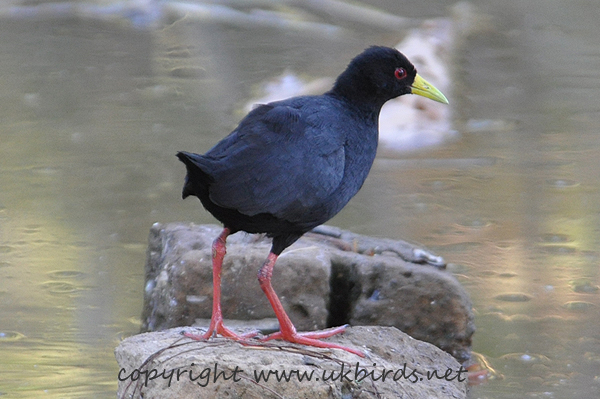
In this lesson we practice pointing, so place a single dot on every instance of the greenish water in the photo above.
(92, 114)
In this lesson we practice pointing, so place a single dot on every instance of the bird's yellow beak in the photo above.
(423, 88)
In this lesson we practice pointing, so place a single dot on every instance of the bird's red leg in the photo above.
(287, 330)
(216, 321)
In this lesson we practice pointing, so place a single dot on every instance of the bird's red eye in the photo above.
(400, 73)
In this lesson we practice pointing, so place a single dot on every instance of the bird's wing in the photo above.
(280, 160)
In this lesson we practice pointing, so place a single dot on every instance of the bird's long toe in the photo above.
(330, 332)
(312, 338)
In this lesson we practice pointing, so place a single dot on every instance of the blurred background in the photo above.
(97, 97)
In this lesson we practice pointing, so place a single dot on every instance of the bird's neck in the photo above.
(359, 94)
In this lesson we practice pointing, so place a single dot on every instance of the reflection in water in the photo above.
(93, 114)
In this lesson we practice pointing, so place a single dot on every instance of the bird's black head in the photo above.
(379, 74)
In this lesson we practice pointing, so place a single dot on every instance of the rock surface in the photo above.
(220, 368)
(324, 280)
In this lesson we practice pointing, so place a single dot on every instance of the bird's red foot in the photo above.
(313, 339)
(217, 327)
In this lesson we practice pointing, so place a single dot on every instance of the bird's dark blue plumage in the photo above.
(299, 160)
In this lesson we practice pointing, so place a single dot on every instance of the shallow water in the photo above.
(93, 113)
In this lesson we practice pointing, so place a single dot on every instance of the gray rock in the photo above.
(430, 306)
(220, 368)
(327, 278)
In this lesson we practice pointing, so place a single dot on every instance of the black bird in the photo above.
(292, 165)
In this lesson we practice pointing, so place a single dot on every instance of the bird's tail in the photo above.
(197, 179)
